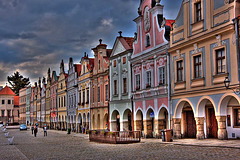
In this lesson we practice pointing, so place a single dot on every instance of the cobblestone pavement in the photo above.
(59, 145)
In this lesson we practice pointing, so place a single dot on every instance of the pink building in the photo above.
(149, 68)
(53, 101)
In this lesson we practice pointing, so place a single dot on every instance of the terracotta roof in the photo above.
(77, 68)
(169, 23)
(7, 91)
(129, 41)
(16, 100)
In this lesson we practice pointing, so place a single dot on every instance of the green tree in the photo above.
(17, 82)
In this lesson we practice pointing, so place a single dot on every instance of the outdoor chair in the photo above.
(6, 134)
(10, 140)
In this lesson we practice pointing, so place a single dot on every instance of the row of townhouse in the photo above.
(180, 74)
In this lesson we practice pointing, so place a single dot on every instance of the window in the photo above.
(148, 79)
(124, 85)
(220, 59)
(87, 96)
(147, 43)
(93, 95)
(99, 64)
(3, 113)
(236, 113)
(9, 101)
(198, 12)
(114, 63)
(138, 82)
(64, 101)
(9, 113)
(80, 97)
(3, 101)
(83, 69)
(61, 86)
(99, 94)
(161, 73)
(124, 60)
(83, 96)
(59, 102)
(180, 71)
(197, 66)
(106, 92)
(115, 87)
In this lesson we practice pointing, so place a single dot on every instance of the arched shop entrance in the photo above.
(139, 121)
(127, 120)
(149, 126)
(115, 121)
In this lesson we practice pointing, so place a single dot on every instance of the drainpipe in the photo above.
(57, 107)
(89, 104)
(169, 90)
(236, 23)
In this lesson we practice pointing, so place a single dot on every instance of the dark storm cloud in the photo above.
(37, 34)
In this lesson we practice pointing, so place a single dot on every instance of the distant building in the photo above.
(22, 105)
(84, 89)
(72, 93)
(28, 104)
(7, 105)
(120, 105)
(149, 70)
(53, 100)
(16, 113)
(100, 87)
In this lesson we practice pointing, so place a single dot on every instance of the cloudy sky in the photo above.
(37, 34)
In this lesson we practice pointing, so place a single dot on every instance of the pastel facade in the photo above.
(62, 98)
(48, 99)
(84, 90)
(120, 105)
(7, 105)
(149, 68)
(99, 81)
(22, 105)
(28, 103)
(53, 101)
(38, 103)
(32, 106)
(72, 94)
(43, 103)
(203, 52)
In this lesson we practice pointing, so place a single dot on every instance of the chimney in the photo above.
(120, 33)
(100, 41)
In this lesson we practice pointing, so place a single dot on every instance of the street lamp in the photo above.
(227, 85)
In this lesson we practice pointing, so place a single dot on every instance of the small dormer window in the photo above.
(148, 42)
(83, 69)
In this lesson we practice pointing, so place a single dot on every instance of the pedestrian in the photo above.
(35, 131)
(45, 130)
(32, 128)
(83, 129)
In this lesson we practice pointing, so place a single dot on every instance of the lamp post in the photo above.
(227, 85)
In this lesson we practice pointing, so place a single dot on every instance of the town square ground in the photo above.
(59, 145)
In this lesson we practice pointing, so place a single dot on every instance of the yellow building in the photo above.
(61, 99)
(83, 113)
(203, 53)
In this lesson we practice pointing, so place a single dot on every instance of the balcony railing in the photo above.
(121, 137)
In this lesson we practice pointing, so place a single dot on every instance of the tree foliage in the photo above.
(17, 82)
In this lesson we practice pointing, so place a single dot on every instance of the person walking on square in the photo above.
(35, 131)
(45, 130)
(32, 128)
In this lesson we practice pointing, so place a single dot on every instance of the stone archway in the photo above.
(84, 122)
(88, 121)
(127, 120)
(98, 121)
(162, 122)
(115, 121)
(93, 122)
(105, 122)
(138, 122)
(149, 123)
(184, 120)
(229, 115)
(206, 110)
(79, 124)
